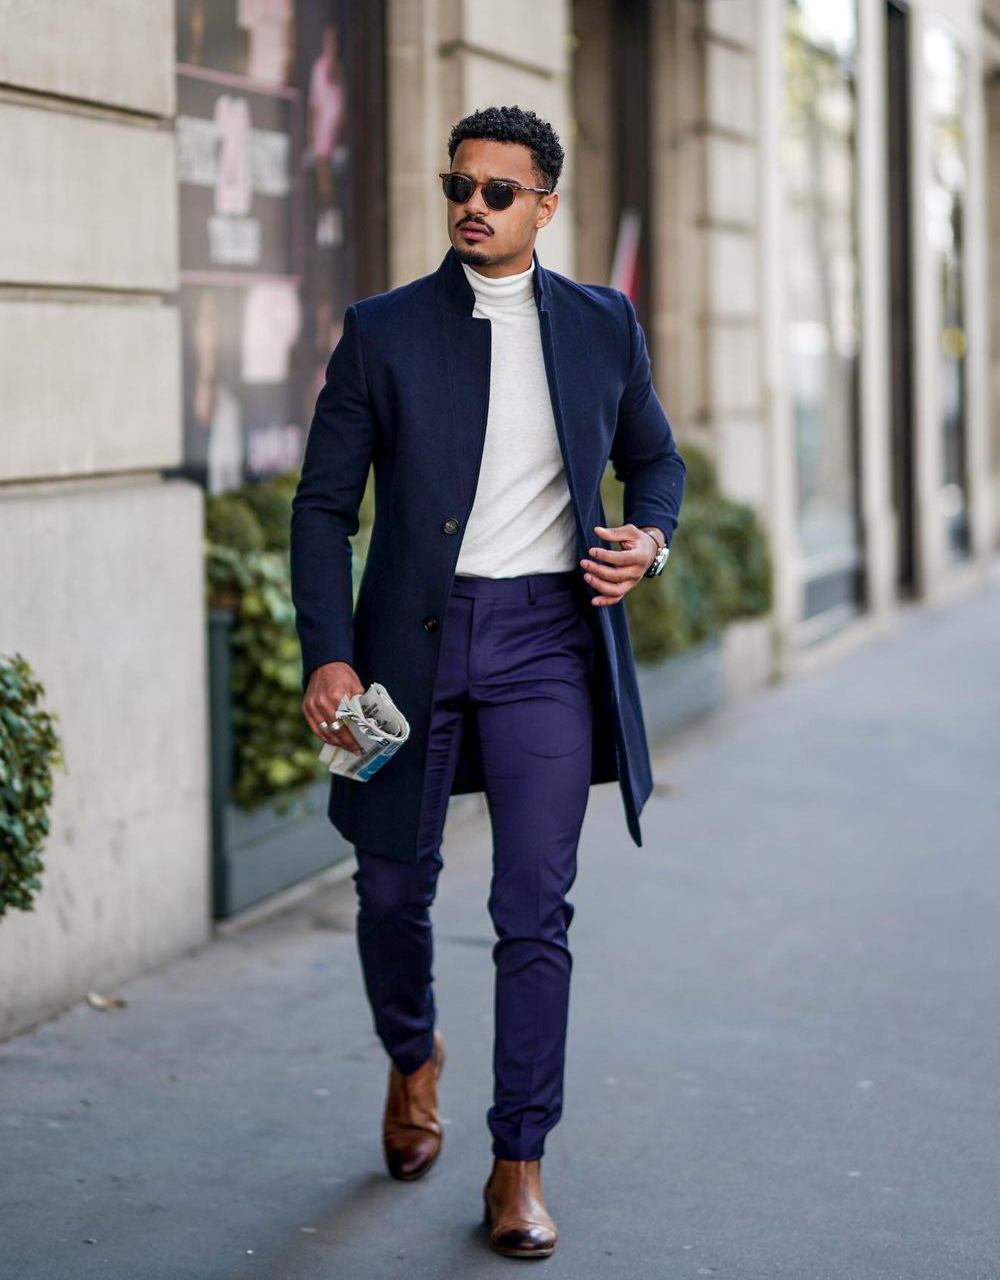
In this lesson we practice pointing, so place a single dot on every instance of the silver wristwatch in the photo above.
(659, 560)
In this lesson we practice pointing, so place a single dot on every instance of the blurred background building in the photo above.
(800, 196)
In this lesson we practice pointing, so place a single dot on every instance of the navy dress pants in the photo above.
(518, 655)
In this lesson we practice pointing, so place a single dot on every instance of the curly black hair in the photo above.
(515, 124)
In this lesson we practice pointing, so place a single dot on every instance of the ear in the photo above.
(546, 209)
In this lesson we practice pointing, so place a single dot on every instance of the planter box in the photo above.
(256, 853)
(682, 688)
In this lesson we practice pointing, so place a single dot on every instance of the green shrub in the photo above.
(287, 480)
(700, 481)
(231, 522)
(275, 751)
(271, 503)
(29, 751)
(719, 569)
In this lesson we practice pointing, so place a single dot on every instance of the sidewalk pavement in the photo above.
(784, 1048)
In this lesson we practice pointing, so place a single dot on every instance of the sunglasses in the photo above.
(498, 195)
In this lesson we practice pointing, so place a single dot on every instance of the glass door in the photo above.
(945, 69)
(822, 327)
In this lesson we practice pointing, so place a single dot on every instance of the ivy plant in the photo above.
(30, 750)
(247, 572)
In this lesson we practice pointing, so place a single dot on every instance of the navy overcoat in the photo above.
(407, 391)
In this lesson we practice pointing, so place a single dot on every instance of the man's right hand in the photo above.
(327, 686)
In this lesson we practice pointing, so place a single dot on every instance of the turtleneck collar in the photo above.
(502, 291)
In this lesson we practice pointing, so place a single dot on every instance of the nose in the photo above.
(475, 206)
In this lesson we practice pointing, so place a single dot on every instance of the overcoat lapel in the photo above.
(570, 371)
(466, 358)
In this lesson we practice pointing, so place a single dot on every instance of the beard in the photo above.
(472, 257)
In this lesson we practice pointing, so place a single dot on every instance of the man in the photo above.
(489, 397)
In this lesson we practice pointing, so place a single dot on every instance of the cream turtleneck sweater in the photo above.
(522, 518)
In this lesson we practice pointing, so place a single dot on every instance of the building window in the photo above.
(279, 132)
(944, 64)
(821, 330)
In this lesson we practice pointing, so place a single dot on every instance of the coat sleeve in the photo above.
(326, 506)
(643, 453)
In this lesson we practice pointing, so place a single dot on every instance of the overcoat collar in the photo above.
(454, 292)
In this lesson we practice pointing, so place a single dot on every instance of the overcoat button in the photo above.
(450, 525)
(431, 624)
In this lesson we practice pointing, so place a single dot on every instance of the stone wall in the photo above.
(446, 60)
(100, 556)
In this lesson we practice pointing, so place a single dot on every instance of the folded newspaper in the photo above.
(377, 725)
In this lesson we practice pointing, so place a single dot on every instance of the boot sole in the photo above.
(514, 1253)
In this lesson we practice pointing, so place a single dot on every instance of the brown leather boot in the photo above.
(411, 1126)
(515, 1212)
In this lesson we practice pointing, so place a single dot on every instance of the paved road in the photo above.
(784, 1040)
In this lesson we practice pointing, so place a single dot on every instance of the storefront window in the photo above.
(821, 333)
(946, 78)
(268, 146)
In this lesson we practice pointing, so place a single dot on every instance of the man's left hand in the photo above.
(614, 573)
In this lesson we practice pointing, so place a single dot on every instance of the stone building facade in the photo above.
(100, 556)
(817, 187)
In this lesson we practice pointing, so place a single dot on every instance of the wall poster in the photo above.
(279, 119)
